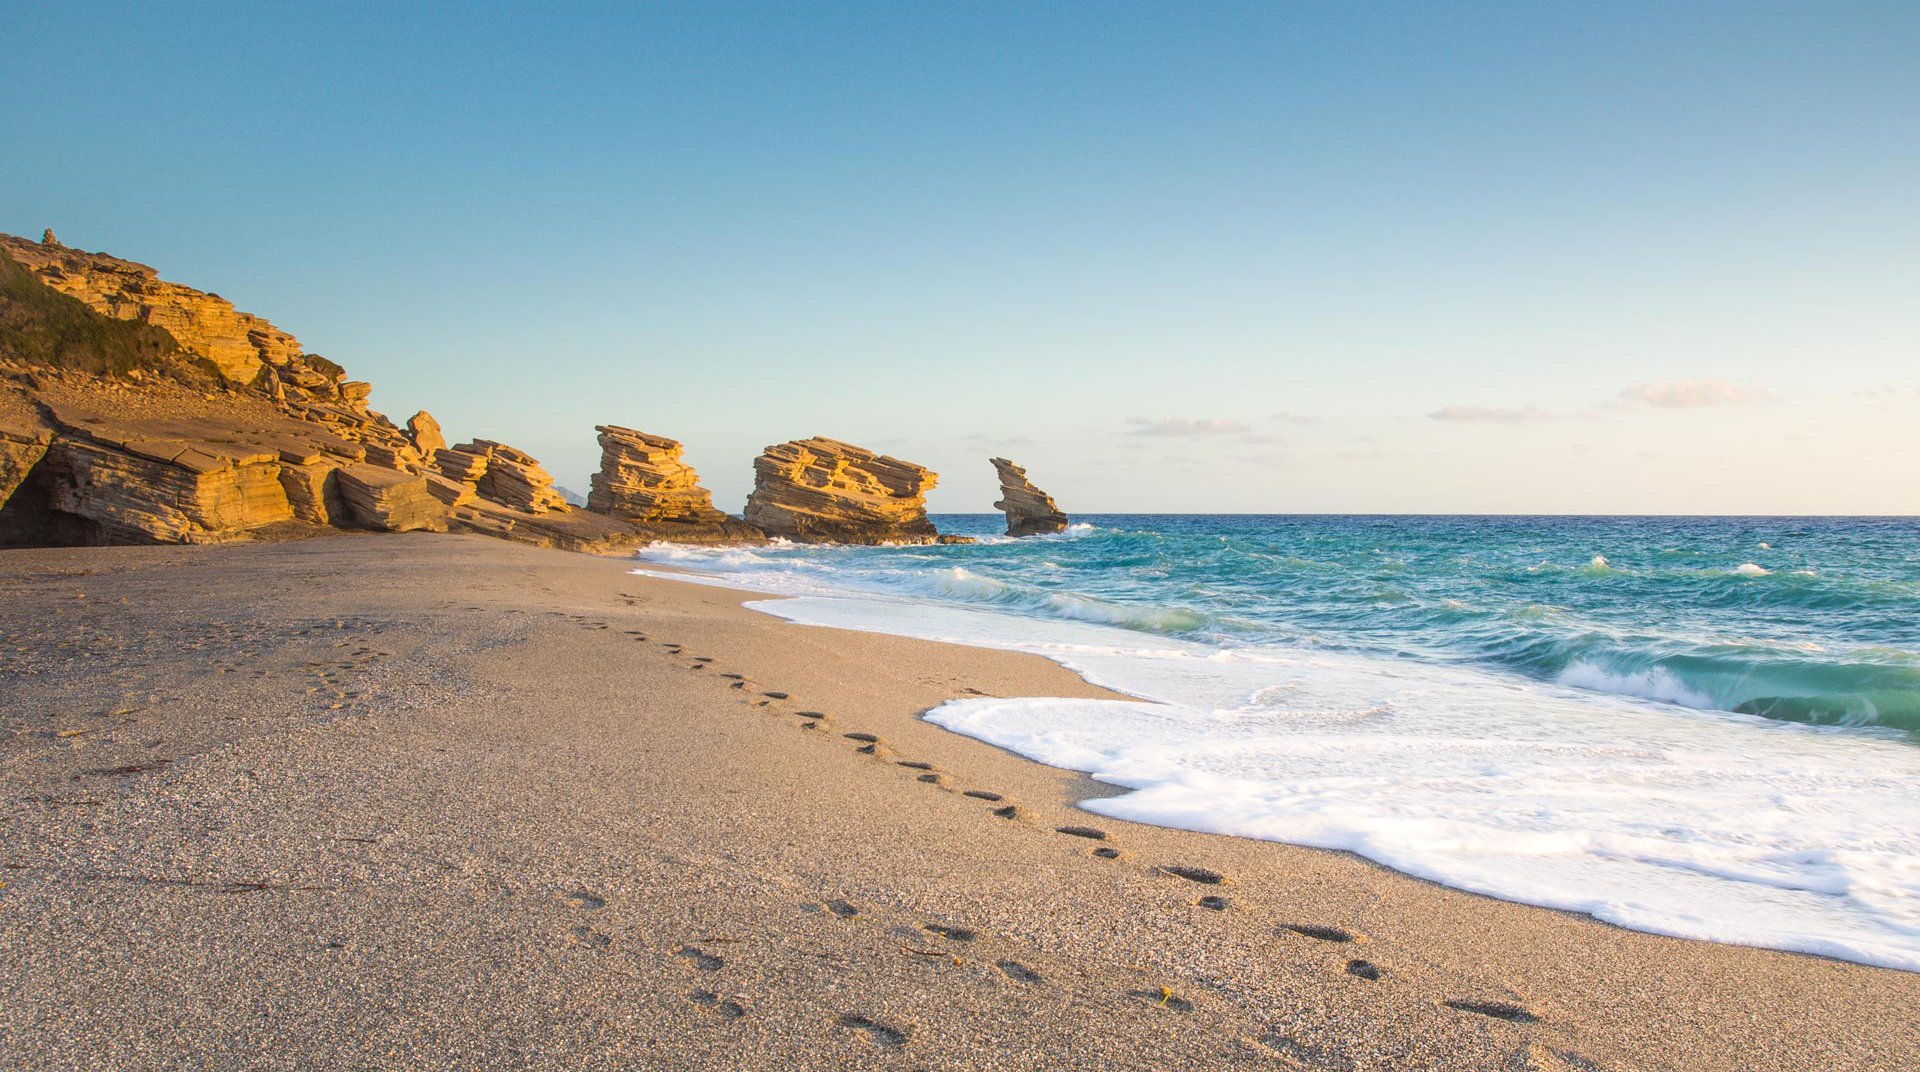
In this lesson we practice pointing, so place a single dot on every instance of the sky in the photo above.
(1266, 257)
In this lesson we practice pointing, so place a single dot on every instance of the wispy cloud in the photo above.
(1270, 460)
(997, 441)
(1185, 427)
(1688, 394)
(1294, 418)
(1489, 414)
(1885, 390)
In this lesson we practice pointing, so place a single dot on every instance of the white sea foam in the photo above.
(1751, 569)
(1693, 823)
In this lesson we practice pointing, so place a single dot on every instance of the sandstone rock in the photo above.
(47, 239)
(449, 491)
(461, 465)
(821, 490)
(239, 344)
(313, 492)
(379, 498)
(1030, 511)
(21, 448)
(513, 478)
(425, 433)
(164, 491)
(642, 479)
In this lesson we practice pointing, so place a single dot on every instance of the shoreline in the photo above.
(540, 841)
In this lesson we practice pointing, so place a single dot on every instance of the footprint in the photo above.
(774, 695)
(1107, 853)
(1314, 930)
(867, 737)
(703, 658)
(1008, 812)
(1218, 904)
(867, 749)
(843, 909)
(1195, 874)
(817, 715)
(1499, 1010)
(585, 899)
(880, 1034)
(714, 1003)
(1082, 831)
(1163, 998)
(700, 958)
(958, 934)
(1364, 969)
(916, 764)
(981, 794)
(1019, 972)
(931, 779)
(735, 677)
(587, 936)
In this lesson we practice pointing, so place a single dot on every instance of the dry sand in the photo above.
(446, 802)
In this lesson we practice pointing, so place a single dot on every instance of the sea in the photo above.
(1706, 727)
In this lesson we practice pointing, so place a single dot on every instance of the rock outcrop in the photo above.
(1030, 511)
(643, 482)
(243, 348)
(425, 433)
(391, 501)
(821, 490)
(502, 474)
(642, 478)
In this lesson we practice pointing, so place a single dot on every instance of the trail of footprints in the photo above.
(885, 1035)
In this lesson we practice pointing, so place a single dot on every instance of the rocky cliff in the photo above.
(136, 410)
(241, 348)
(1030, 511)
(821, 490)
(642, 481)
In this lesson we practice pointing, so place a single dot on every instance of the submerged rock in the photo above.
(821, 490)
(1030, 511)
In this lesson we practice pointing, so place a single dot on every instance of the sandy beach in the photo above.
(419, 801)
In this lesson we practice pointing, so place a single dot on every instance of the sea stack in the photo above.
(643, 482)
(821, 490)
(1030, 511)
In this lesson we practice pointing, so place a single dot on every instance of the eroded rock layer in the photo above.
(244, 348)
(1030, 511)
(642, 478)
(821, 490)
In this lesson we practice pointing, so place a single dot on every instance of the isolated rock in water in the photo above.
(642, 479)
(425, 433)
(821, 490)
(504, 475)
(1030, 511)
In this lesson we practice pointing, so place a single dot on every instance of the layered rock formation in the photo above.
(1030, 511)
(821, 490)
(243, 348)
(642, 478)
(502, 474)
(134, 410)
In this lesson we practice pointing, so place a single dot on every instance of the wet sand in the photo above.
(446, 802)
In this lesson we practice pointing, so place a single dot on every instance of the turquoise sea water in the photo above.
(1707, 727)
(1814, 620)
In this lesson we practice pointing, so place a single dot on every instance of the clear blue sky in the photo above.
(1290, 257)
